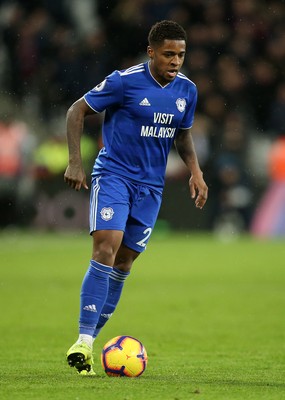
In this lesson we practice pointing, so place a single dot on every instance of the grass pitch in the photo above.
(210, 314)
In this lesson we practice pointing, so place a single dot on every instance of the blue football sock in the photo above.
(93, 295)
(116, 282)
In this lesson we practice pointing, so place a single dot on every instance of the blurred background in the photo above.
(52, 52)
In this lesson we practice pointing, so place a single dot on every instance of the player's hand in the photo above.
(198, 190)
(75, 177)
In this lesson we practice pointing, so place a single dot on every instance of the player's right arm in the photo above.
(75, 175)
(106, 94)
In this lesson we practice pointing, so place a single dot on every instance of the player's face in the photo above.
(166, 60)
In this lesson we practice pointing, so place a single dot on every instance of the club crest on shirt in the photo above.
(107, 213)
(181, 104)
(100, 86)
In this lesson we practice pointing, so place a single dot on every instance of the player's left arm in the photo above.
(186, 150)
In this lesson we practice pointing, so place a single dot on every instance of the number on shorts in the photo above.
(147, 232)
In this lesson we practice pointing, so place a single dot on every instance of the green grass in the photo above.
(210, 314)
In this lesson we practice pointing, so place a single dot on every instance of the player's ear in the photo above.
(150, 51)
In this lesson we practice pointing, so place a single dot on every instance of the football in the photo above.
(124, 356)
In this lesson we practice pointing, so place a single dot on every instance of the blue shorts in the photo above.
(119, 204)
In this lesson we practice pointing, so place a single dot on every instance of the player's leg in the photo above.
(94, 291)
(107, 222)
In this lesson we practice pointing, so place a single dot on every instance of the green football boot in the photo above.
(80, 356)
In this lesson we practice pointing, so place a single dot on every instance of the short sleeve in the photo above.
(106, 94)
(188, 118)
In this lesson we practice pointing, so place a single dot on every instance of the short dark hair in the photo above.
(165, 30)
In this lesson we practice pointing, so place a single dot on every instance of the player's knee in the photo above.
(104, 253)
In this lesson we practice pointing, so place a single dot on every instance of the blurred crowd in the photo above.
(52, 52)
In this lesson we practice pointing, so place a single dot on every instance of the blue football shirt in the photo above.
(141, 121)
